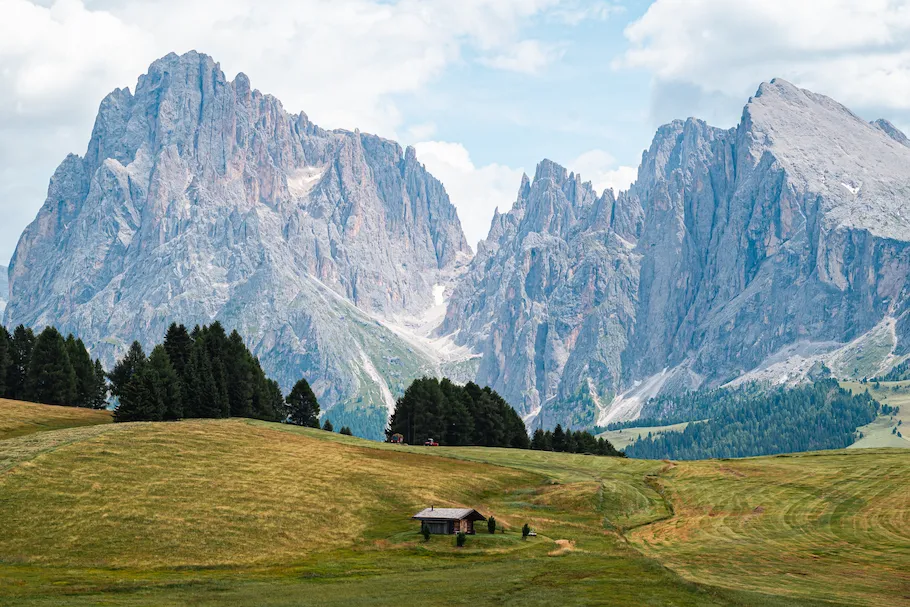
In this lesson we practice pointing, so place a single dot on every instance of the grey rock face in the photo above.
(731, 247)
(201, 199)
(4, 289)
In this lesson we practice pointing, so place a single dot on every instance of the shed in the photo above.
(446, 521)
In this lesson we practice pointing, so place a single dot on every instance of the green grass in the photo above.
(625, 437)
(879, 433)
(237, 512)
(18, 418)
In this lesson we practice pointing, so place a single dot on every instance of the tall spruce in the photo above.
(50, 379)
(21, 346)
(168, 383)
(125, 368)
(302, 407)
(5, 358)
(142, 398)
(99, 392)
(84, 369)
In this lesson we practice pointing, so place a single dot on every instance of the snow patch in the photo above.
(439, 294)
(628, 405)
(304, 179)
(387, 397)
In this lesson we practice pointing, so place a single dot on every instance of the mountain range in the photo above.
(767, 251)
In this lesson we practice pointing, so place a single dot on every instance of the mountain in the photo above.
(201, 199)
(759, 252)
(4, 289)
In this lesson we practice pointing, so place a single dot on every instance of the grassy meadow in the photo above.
(19, 418)
(239, 512)
(880, 432)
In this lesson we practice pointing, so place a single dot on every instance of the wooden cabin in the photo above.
(448, 521)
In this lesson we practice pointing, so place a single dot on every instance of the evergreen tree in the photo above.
(22, 343)
(142, 398)
(179, 346)
(539, 442)
(346, 431)
(559, 439)
(125, 368)
(241, 373)
(205, 397)
(327, 426)
(51, 379)
(302, 408)
(99, 391)
(5, 358)
(84, 369)
(491, 525)
(168, 384)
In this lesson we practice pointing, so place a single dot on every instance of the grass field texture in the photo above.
(236, 512)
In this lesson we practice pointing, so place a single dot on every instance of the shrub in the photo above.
(491, 525)
(346, 431)
(425, 531)
(327, 426)
(460, 539)
(525, 531)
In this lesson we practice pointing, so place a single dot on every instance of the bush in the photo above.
(525, 531)
(491, 525)
(327, 426)
(346, 431)
(460, 539)
(425, 531)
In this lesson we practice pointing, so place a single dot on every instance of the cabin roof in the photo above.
(449, 514)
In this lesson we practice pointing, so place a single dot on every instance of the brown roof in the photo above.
(448, 514)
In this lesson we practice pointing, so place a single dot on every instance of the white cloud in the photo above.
(597, 166)
(857, 51)
(345, 62)
(475, 191)
(576, 12)
(526, 57)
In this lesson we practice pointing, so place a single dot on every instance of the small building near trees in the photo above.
(449, 521)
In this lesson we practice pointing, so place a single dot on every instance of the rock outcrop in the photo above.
(201, 199)
(769, 247)
(4, 289)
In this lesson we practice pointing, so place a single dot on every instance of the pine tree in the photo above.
(559, 439)
(327, 426)
(204, 395)
(168, 384)
(179, 346)
(539, 442)
(125, 368)
(84, 369)
(346, 431)
(22, 343)
(51, 379)
(141, 399)
(5, 358)
(302, 408)
(99, 391)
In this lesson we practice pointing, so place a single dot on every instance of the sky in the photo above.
(484, 89)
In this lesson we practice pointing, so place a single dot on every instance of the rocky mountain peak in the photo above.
(201, 199)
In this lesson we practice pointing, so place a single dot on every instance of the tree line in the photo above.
(49, 368)
(203, 373)
(457, 415)
(749, 422)
(568, 441)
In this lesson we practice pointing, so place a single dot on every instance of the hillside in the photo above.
(18, 418)
(235, 512)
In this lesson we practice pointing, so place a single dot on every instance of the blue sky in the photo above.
(483, 88)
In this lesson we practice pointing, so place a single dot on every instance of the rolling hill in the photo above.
(237, 512)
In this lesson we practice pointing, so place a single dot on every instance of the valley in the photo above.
(241, 512)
